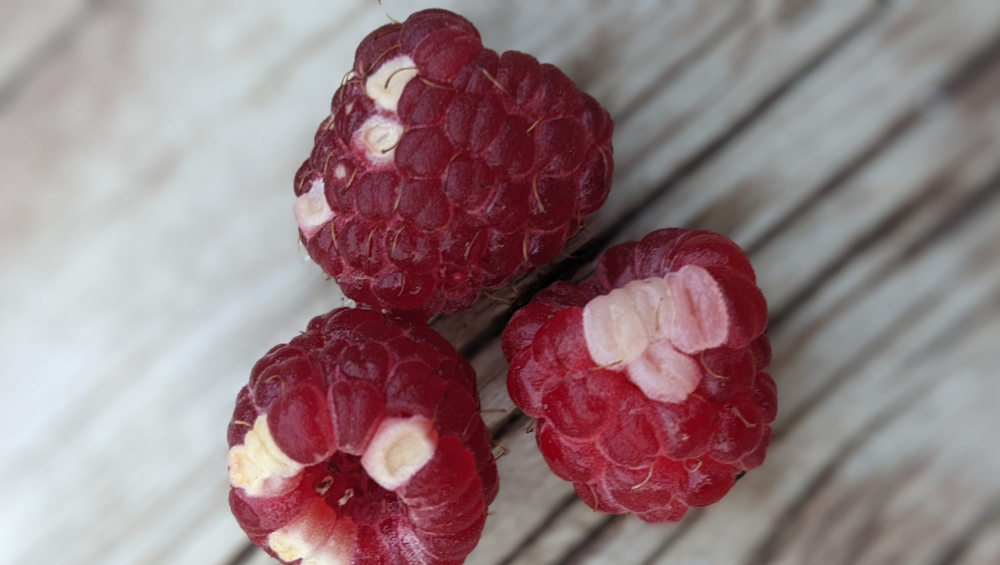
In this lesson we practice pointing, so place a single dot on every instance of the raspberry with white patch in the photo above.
(361, 442)
(648, 380)
(445, 168)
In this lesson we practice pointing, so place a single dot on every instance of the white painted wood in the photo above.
(31, 28)
(787, 155)
(149, 252)
(983, 548)
(148, 257)
(956, 143)
(698, 103)
(952, 152)
(910, 368)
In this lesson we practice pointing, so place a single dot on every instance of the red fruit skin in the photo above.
(623, 451)
(500, 160)
(326, 392)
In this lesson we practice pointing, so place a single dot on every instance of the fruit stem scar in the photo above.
(698, 466)
(400, 448)
(649, 476)
(531, 426)
(333, 233)
(242, 423)
(538, 121)
(524, 247)
(534, 188)
(493, 80)
(258, 465)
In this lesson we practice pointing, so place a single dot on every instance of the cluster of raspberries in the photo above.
(445, 169)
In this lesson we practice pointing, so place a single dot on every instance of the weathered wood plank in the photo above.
(167, 271)
(564, 531)
(926, 143)
(30, 34)
(835, 117)
(696, 105)
(941, 338)
(946, 187)
(169, 266)
(628, 539)
(956, 148)
(982, 545)
(527, 484)
(921, 483)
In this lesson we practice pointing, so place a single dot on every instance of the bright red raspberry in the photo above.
(648, 380)
(445, 168)
(360, 442)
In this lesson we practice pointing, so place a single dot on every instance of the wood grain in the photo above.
(696, 107)
(146, 261)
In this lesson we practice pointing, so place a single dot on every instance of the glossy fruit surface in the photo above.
(445, 168)
(361, 441)
(648, 380)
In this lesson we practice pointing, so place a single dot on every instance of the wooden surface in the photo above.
(148, 257)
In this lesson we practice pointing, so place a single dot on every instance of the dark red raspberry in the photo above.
(445, 168)
(648, 380)
(361, 442)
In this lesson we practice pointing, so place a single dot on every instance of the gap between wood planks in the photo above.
(58, 42)
(706, 157)
(961, 81)
(976, 67)
(867, 355)
(473, 329)
(758, 108)
(144, 539)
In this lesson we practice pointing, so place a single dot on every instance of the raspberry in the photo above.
(445, 168)
(360, 441)
(648, 380)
